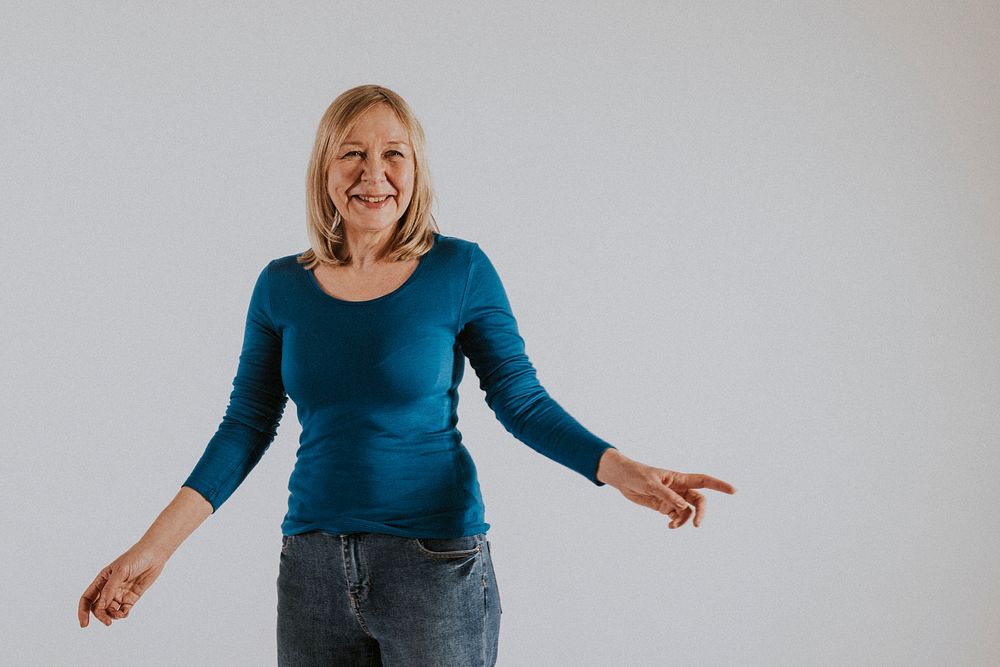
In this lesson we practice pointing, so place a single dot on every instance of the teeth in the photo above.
(372, 199)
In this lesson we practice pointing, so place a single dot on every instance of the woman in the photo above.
(384, 553)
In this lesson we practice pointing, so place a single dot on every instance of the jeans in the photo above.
(363, 599)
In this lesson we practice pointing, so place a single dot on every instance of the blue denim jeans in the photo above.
(363, 599)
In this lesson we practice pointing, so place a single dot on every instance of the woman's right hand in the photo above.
(120, 585)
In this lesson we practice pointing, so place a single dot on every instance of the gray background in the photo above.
(755, 240)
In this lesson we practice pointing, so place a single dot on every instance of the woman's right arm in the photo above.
(179, 519)
(247, 429)
(119, 586)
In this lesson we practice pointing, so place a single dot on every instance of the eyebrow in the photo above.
(355, 143)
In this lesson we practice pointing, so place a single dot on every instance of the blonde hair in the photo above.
(414, 234)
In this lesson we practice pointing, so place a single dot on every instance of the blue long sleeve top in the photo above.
(375, 384)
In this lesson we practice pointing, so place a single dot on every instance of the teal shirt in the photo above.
(375, 385)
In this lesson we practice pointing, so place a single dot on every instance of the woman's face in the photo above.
(375, 159)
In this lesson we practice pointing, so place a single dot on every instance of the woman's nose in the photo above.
(373, 167)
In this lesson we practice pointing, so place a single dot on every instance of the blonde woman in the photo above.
(384, 556)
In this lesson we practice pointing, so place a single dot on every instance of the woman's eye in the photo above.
(350, 153)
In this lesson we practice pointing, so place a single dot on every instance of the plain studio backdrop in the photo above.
(755, 240)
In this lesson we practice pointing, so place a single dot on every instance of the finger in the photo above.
(698, 500)
(108, 593)
(87, 601)
(83, 611)
(679, 517)
(700, 481)
(91, 596)
(682, 517)
(100, 613)
(673, 499)
(129, 598)
(123, 603)
(119, 613)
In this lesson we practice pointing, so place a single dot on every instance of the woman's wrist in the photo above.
(610, 465)
(175, 523)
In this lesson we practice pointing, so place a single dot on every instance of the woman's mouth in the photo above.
(372, 202)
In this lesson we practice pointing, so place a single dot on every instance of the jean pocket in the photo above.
(493, 576)
(286, 543)
(449, 547)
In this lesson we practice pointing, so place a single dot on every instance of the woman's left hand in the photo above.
(666, 491)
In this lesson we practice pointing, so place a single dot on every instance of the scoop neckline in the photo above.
(311, 276)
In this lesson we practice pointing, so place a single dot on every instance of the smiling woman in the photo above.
(371, 182)
(384, 551)
(368, 172)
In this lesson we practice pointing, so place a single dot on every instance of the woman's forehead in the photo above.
(379, 120)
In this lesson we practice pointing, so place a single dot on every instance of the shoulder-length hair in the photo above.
(414, 233)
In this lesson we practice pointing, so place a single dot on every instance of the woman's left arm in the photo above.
(666, 491)
(488, 335)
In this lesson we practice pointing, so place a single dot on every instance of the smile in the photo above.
(373, 202)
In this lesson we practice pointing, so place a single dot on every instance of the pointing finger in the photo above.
(700, 481)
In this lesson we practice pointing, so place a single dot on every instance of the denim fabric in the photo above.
(362, 599)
